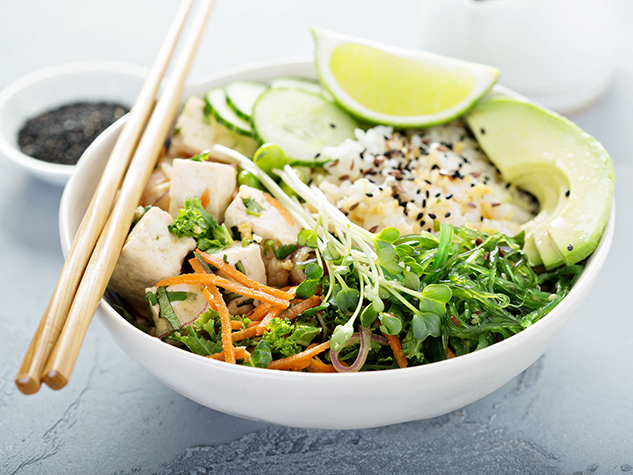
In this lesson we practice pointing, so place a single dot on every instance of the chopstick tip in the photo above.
(27, 384)
(54, 380)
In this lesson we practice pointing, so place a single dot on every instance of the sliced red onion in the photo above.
(364, 337)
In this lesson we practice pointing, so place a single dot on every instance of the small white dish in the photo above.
(54, 87)
(313, 400)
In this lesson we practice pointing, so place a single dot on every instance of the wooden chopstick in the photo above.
(28, 377)
(95, 279)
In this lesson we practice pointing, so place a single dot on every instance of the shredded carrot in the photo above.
(209, 298)
(225, 320)
(216, 261)
(318, 366)
(296, 361)
(196, 266)
(236, 325)
(259, 312)
(204, 199)
(274, 312)
(281, 209)
(294, 312)
(394, 343)
(244, 334)
(451, 354)
(240, 353)
(212, 279)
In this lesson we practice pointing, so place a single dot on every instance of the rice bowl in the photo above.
(403, 394)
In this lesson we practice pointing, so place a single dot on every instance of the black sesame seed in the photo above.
(428, 195)
(437, 195)
(419, 217)
(481, 218)
(570, 247)
(333, 126)
(448, 197)
(369, 195)
(419, 191)
(447, 214)
(483, 131)
(61, 135)
(423, 203)
(317, 155)
(432, 216)
(422, 223)
(435, 167)
(508, 186)
(428, 182)
(568, 193)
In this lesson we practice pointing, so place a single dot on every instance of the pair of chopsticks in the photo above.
(95, 250)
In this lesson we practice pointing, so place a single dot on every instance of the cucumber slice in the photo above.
(217, 106)
(300, 122)
(296, 83)
(241, 96)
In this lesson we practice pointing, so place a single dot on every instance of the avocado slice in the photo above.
(567, 170)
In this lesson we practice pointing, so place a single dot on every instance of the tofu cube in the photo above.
(269, 220)
(250, 257)
(195, 132)
(151, 253)
(186, 300)
(191, 179)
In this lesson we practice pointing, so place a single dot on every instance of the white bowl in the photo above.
(332, 401)
(54, 87)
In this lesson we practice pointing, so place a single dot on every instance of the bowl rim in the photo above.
(106, 311)
(56, 170)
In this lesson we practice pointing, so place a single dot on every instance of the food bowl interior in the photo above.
(54, 87)
(329, 401)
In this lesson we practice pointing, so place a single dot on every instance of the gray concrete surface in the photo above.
(570, 413)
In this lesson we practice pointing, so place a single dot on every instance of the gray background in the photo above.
(571, 412)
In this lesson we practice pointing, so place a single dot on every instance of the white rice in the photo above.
(384, 178)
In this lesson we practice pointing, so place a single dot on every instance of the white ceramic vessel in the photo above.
(560, 53)
(56, 86)
(332, 401)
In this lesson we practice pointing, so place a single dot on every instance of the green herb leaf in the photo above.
(253, 207)
(261, 356)
(426, 324)
(341, 334)
(306, 289)
(166, 311)
(368, 316)
(197, 343)
(314, 310)
(304, 334)
(347, 299)
(203, 157)
(388, 235)
(313, 271)
(194, 221)
(285, 250)
(391, 325)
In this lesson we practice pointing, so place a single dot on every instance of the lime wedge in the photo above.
(404, 88)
